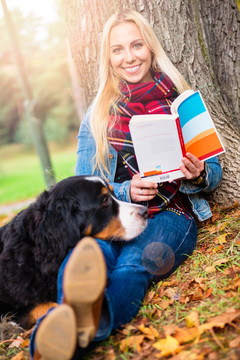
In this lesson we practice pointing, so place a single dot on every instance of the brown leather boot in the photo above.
(37, 356)
(84, 282)
(56, 337)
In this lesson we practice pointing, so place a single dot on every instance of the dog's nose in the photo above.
(143, 212)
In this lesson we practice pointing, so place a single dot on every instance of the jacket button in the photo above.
(110, 156)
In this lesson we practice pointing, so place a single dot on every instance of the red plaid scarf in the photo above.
(153, 97)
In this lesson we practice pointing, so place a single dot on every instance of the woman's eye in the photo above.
(117, 51)
(137, 46)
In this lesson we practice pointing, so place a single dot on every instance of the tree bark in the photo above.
(202, 40)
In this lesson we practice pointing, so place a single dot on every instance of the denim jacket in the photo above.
(85, 157)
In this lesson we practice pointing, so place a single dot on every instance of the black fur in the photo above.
(35, 242)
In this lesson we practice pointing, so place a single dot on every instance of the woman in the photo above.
(135, 77)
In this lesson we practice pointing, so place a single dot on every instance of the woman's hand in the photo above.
(141, 190)
(191, 166)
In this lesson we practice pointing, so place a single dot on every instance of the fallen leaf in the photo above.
(148, 298)
(150, 331)
(133, 342)
(170, 293)
(235, 283)
(16, 343)
(192, 319)
(186, 335)
(235, 343)
(127, 329)
(168, 346)
(164, 304)
(220, 262)
(210, 269)
(220, 321)
(221, 239)
(19, 356)
(170, 329)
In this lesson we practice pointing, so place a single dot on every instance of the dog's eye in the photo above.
(106, 200)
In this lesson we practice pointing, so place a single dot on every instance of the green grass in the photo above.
(21, 176)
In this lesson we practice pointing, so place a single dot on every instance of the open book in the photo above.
(161, 141)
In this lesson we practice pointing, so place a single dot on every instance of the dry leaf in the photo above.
(220, 262)
(110, 355)
(148, 298)
(220, 320)
(133, 342)
(170, 329)
(210, 269)
(235, 343)
(150, 331)
(164, 304)
(16, 343)
(234, 284)
(168, 346)
(221, 239)
(19, 356)
(127, 329)
(170, 293)
(186, 335)
(192, 319)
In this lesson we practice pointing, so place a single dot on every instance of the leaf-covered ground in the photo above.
(192, 315)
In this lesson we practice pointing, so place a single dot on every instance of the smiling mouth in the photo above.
(132, 69)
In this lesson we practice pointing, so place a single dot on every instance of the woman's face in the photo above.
(130, 57)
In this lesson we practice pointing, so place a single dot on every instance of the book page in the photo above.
(157, 147)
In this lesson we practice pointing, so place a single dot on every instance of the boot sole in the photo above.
(56, 335)
(83, 283)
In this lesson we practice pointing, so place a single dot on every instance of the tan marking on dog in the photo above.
(113, 229)
(104, 190)
(110, 187)
(88, 230)
(39, 311)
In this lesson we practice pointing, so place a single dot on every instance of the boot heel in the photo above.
(83, 285)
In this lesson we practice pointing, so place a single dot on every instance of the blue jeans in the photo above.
(168, 240)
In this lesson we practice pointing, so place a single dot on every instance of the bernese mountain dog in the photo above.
(36, 241)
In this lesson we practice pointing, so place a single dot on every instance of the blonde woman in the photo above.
(135, 77)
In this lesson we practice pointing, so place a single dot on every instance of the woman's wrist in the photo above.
(200, 180)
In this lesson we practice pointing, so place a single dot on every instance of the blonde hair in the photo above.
(109, 92)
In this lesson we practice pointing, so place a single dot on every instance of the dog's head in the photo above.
(85, 205)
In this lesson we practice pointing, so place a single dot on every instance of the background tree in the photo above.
(47, 67)
(202, 38)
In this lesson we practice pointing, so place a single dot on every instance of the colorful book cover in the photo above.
(198, 130)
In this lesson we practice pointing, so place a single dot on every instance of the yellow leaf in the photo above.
(168, 346)
(192, 319)
(221, 239)
(150, 331)
(186, 335)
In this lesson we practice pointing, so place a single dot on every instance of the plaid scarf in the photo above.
(153, 97)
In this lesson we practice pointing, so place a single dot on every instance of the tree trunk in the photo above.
(202, 38)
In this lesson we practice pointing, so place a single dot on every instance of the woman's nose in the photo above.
(129, 55)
